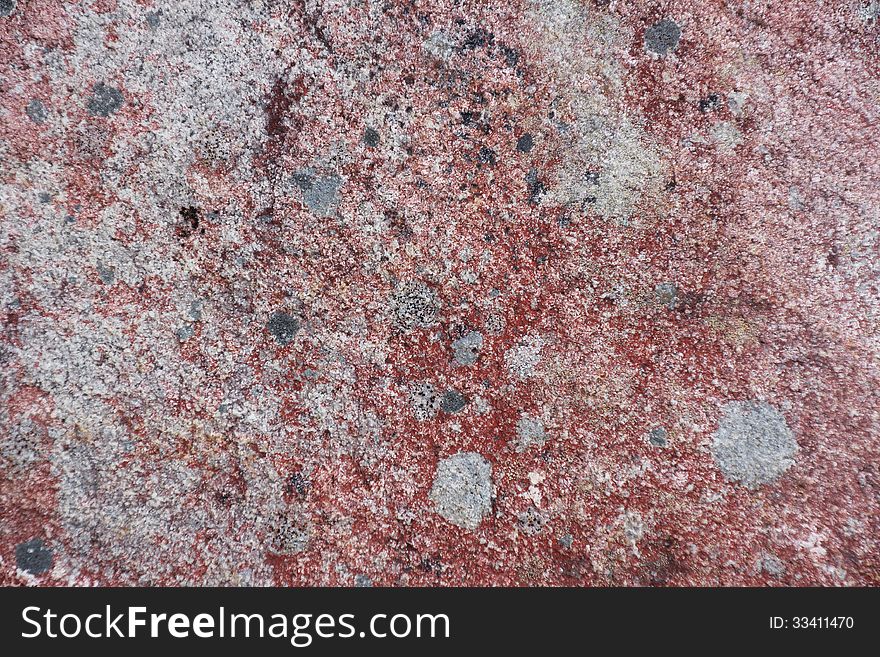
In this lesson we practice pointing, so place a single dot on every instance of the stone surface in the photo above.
(570, 292)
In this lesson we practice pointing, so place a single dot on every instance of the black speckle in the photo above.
(298, 484)
(535, 186)
(189, 221)
(662, 36)
(468, 117)
(36, 111)
(33, 557)
(371, 137)
(710, 103)
(303, 180)
(486, 155)
(479, 38)
(105, 100)
(452, 401)
(283, 327)
(524, 144)
(511, 56)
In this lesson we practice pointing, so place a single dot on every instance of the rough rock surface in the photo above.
(558, 292)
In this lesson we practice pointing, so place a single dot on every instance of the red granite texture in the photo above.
(403, 293)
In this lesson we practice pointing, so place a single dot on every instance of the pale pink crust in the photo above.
(688, 229)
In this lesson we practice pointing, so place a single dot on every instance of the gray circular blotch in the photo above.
(467, 348)
(415, 306)
(524, 143)
(283, 327)
(33, 557)
(36, 111)
(462, 490)
(662, 36)
(6, 7)
(371, 137)
(658, 437)
(753, 444)
(105, 100)
(529, 432)
(453, 401)
(666, 294)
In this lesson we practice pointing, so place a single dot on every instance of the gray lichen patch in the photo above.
(522, 359)
(33, 557)
(530, 432)
(658, 437)
(283, 327)
(531, 521)
(666, 294)
(662, 37)
(424, 400)
(415, 305)
(36, 111)
(753, 444)
(289, 536)
(319, 193)
(467, 348)
(105, 100)
(462, 490)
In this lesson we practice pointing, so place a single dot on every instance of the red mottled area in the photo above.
(687, 229)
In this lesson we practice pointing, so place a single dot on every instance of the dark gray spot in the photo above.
(658, 437)
(33, 557)
(362, 581)
(153, 18)
(36, 111)
(524, 144)
(511, 55)
(662, 37)
(303, 180)
(371, 137)
(283, 327)
(6, 7)
(195, 310)
(297, 483)
(44, 197)
(666, 294)
(566, 541)
(535, 186)
(487, 155)
(105, 100)
(452, 401)
(592, 177)
(185, 332)
(107, 274)
(710, 103)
